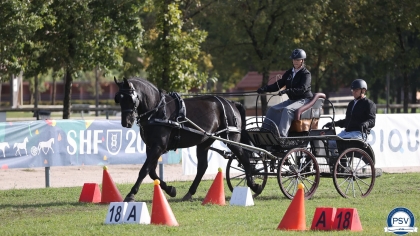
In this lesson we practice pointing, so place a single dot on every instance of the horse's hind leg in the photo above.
(170, 190)
(243, 156)
(202, 164)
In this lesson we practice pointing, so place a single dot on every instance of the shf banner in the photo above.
(71, 143)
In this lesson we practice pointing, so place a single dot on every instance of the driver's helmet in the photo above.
(298, 54)
(359, 83)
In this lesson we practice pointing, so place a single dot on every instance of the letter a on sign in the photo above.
(323, 218)
(137, 213)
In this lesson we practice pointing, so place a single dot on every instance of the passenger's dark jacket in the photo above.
(364, 112)
(297, 88)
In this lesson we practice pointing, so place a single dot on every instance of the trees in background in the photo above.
(172, 45)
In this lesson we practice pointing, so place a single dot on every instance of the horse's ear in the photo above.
(117, 98)
(115, 79)
(126, 81)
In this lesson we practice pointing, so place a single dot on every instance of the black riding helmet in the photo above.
(298, 54)
(359, 84)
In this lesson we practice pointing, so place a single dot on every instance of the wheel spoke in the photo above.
(298, 165)
(354, 168)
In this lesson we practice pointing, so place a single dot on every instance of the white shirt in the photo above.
(296, 71)
(355, 101)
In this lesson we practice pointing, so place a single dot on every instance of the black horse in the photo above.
(168, 122)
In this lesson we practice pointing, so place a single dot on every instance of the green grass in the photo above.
(56, 211)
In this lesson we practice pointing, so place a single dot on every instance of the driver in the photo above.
(297, 81)
(360, 114)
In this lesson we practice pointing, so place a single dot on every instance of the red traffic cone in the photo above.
(110, 191)
(161, 211)
(90, 193)
(347, 219)
(216, 193)
(294, 218)
(323, 218)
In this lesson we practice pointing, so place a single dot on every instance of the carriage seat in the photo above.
(308, 113)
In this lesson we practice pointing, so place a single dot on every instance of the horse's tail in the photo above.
(244, 135)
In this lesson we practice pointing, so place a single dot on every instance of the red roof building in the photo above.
(253, 80)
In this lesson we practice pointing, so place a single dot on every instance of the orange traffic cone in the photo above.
(294, 218)
(216, 193)
(161, 211)
(110, 191)
(90, 193)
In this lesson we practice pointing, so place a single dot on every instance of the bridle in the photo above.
(136, 101)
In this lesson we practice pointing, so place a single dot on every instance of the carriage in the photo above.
(168, 122)
(305, 156)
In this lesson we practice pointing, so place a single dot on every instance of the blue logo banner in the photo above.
(71, 143)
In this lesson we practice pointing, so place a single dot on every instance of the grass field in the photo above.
(56, 211)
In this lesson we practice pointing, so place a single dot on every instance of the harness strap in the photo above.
(182, 110)
(235, 119)
(226, 120)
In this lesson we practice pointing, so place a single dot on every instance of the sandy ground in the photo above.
(72, 176)
(68, 176)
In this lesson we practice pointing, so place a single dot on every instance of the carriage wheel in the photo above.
(354, 173)
(235, 173)
(298, 165)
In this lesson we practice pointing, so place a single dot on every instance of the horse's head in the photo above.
(129, 100)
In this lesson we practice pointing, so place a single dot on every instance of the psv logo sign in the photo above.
(113, 141)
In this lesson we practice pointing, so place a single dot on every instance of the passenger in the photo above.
(298, 88)
(360, 114)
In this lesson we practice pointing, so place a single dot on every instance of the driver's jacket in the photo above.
(364, 112)
(298, 87)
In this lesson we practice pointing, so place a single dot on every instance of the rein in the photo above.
(162, 100)
(220, 94)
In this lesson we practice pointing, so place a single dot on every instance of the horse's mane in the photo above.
(148, 84)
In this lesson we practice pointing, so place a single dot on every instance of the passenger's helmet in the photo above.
(298, 54)
(359, 83)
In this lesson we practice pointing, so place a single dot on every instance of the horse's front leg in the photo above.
(170, 190)
(153, 155)
(202, 165)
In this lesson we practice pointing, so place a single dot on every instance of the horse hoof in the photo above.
(257, 189)
(187, 197)
(171, 191)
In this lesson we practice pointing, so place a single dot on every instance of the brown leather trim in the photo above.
(303, 125)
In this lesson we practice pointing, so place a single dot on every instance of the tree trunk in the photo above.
(96, 90)
(266, 77)
(67, 94)
(36, 85)
(398, 99)
(166, 58)
(54, 90)
(406, 91)
(413, 97)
